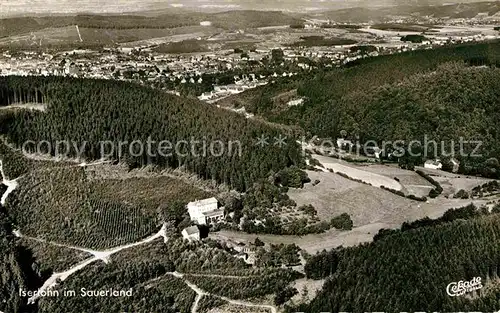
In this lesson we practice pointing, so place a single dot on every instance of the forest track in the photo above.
(11, 185)
(98, 255)
(18, 234)
(222, 276)
(104, 256)
(200, 293)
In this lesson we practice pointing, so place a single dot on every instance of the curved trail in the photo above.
(11, 185)
(201, 293)
(95, 253)
(104, 256)
(222, 276)
(98, 255)
(251, 305)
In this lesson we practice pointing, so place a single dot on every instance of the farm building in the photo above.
(433, 164)
(205, 211)
(191, 233)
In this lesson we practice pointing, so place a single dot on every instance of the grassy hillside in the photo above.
(410, 270)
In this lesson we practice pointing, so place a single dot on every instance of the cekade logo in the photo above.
(462, 287)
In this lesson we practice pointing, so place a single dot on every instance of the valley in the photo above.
(229, 157)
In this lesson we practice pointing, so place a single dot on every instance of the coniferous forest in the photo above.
(214, 143)
(441, 94)
(409, 270)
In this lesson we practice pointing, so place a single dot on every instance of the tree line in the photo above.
(96, 111)
(409, 269)
(442, 94)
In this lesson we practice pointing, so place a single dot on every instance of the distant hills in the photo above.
(226, 20)
(32, 7)
(364, 14)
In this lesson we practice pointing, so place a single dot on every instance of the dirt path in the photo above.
(222, 276)
(11, 185)
(271, 308)
(98, 255)
(104, 256)
(28, 106)
(18, 234)
(201, 293)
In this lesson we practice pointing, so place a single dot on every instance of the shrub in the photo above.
(258, 242)
(436, 191)
(342, 222)
(461, 194)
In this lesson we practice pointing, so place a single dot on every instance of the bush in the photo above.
(342, 222)
(414, 38)
(292, 177)
(436, 191)
(461, 194)
(401, 194)
(258, 242)
(283, 295)
(413, 197)
(297, 26)
(308, 209)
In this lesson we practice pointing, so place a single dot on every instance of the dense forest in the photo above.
(214, 143)
(148, 271)
(393, 275)
(445, 94)
(17, 270)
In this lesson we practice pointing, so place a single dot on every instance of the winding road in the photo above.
(11, 185)
(98, 255)
(105, 255)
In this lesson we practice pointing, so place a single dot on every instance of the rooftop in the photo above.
(192, 230)
(214, 213)
(204, 202)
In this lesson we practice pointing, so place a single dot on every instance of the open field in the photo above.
(370, 208)
(452, 182)
(134, 35)
(333, 238)
(413, 184)
(335, 195)
(68, 35)
(373, 179)
(49, 36)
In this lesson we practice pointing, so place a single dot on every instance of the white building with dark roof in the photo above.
(205, 212)
(191, 233)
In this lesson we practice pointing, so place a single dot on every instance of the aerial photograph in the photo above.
(249, 156)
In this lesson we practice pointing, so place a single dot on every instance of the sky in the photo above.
(31, 7)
